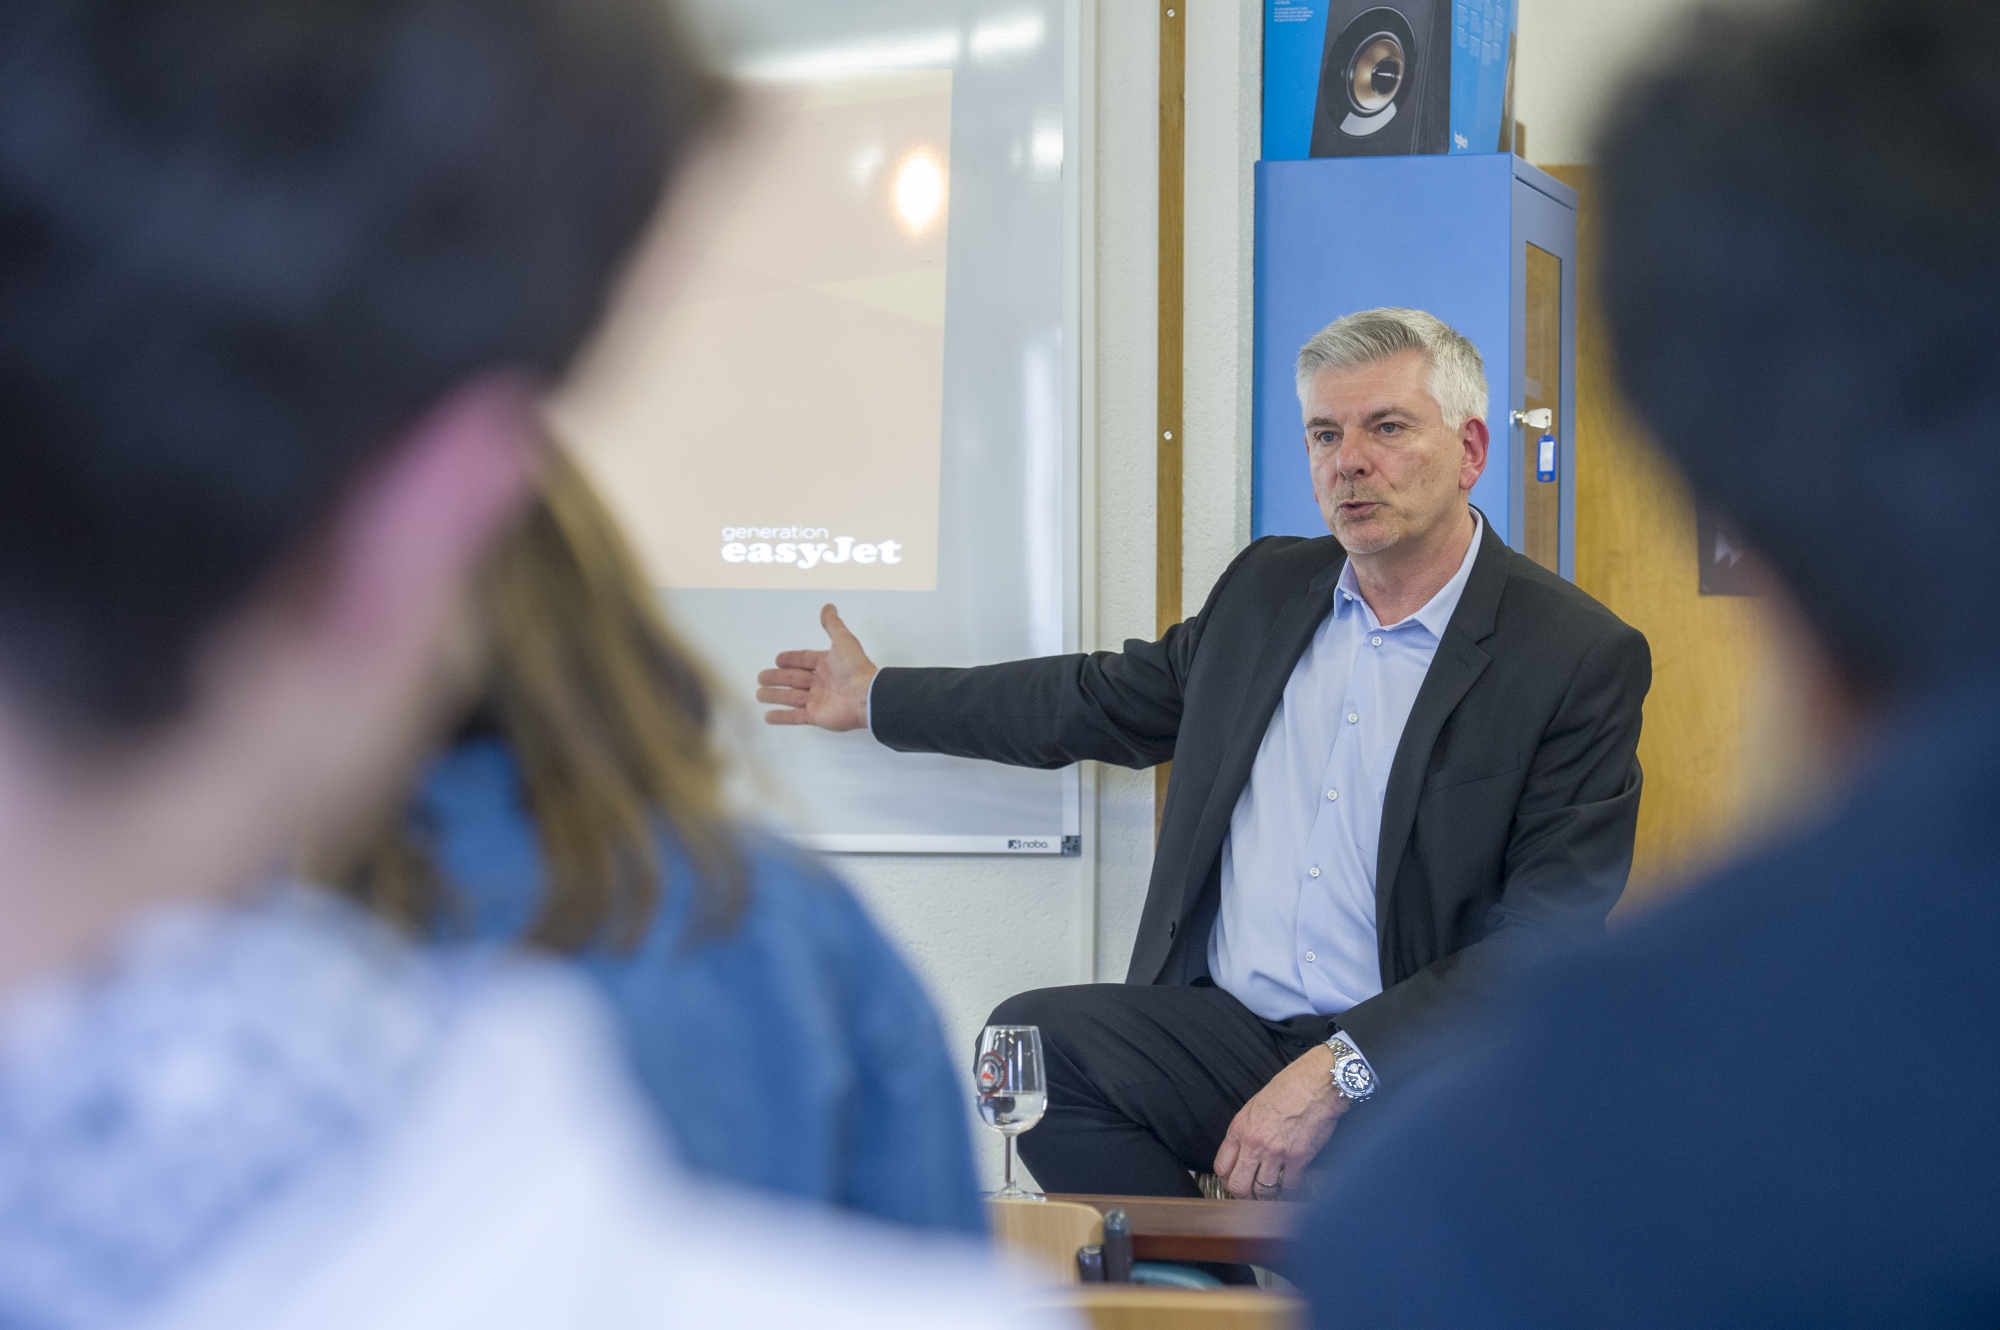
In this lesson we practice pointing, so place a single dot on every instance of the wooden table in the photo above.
(1138, 1307)
(1166, 1228)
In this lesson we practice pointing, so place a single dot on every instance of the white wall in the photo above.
(1572, 55)
(980, 929)
(1224, 121)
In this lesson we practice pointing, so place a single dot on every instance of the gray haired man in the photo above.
(1404, 762)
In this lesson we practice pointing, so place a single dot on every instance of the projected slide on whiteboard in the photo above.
(789, 437)
(847, 373)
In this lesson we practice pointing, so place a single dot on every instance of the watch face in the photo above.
(1354, 1076)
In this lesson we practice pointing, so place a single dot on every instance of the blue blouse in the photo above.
(797, 1053)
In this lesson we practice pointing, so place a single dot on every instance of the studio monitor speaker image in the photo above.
(1385, 79)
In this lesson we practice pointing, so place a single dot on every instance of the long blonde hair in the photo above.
(609, 718)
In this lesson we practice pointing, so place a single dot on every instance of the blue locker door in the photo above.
(1337, 235)
(1443, 234)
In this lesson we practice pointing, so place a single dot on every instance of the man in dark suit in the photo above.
(1403, 762)
(1772, 1101)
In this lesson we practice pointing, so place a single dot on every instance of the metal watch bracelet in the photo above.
(1353, 1076)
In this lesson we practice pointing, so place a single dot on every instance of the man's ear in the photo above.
(408, 538)
(1474, 440)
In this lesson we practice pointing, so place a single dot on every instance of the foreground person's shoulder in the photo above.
(512, 1178)
(794, 890)
(789, 873)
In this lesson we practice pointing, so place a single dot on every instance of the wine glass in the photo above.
(1012, 1090)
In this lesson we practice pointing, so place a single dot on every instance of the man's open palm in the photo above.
(824, 688)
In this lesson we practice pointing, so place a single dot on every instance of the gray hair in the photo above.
(1457, 379)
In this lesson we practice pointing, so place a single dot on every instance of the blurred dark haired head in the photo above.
(1802, 274)
(243, 243)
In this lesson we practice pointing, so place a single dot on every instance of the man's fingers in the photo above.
(829, 619)
(1225, 1158)
(1242, 1180)
(1236, 1161)
(823, 688)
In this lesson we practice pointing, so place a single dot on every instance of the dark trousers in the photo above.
(1143, 1081)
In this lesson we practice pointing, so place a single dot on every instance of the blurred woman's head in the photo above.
(608, 717)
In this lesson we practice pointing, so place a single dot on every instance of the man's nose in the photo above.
(1349, 459)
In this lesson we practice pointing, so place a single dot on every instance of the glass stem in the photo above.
(1010, 1163)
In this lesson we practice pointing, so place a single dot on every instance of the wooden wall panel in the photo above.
(1167, 440)
(1635, 551)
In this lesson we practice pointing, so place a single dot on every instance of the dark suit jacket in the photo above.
(1510, 807)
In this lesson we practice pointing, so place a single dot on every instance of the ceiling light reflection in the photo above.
(919, 190)
(921, 51)
(1045, 149)
(997, 38)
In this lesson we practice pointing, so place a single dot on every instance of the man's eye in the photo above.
(1391, 427)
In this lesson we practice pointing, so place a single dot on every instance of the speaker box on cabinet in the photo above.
(1373, 78)
(1379, 94)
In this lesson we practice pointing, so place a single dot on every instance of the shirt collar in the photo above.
(1437, 611)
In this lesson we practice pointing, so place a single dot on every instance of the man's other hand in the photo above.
(1281, 1129)
(824, 688)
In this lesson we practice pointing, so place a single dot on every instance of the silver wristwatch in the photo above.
(1352, 1075)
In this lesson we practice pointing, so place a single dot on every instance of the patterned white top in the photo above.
(279, 1116)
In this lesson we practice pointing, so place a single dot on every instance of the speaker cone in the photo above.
(1373, 82)
(1375, 74)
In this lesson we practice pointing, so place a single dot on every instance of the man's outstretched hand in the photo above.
(1281, 1129)
(824, 688)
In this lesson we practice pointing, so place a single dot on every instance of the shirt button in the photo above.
(1310, 958)
(1333, 794)
(1352, 717)
(1375, 641)
(1312, 872)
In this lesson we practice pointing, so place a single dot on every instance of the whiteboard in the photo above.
(860, 385)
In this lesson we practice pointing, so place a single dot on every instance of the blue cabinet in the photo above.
(1485, 242)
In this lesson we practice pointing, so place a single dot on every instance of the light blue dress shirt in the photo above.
(1296, 930)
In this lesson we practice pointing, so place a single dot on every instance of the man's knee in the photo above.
(1061, 1014)
(1035, 1007)
(1064, 1016)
